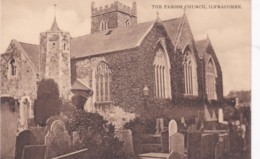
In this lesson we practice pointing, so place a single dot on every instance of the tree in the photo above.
(95, 133)
(48, 101)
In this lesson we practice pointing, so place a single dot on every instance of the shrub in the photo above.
(48, 101)
(96, 134)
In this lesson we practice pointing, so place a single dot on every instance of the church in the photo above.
(120, 63)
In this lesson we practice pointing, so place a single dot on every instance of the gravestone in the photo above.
(176, 140)
(57, 140)
(25, 138)
(126, 137)
(159, 125)
(220, 116)
(75, 137)
(34, 152)
(173, 129)
(8, 131)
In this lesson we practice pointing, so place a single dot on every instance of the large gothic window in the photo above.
(103, 25)
(103, 83)
(190, 74)
(211, 79)
(12, 68)
(162, 73)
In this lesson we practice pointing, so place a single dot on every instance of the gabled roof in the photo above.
(201, 46)
(33, 52)
(112, 40)
(172, 26)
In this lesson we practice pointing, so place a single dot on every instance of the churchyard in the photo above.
(165, 139)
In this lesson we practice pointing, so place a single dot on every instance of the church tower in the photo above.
(55, 58)
(112, 16)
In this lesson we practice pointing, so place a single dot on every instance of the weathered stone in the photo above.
(159, 125)
(173, 128)
(34, 152)
(126, 137)
(24, 138)
(220, 116)
(9, 118)
(57, 140)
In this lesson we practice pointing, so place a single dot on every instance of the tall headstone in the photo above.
(57, 140)
(173, 129)
(220, 115)
(159, 125)
(24, 138)
(8, 131)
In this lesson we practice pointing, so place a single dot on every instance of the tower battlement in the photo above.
(116, 6)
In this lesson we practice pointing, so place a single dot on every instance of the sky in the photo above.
(228, 29)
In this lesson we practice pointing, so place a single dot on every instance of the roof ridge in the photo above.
(104, 31)
(171, 19)
(27, 43)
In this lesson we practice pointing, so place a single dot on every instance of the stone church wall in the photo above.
(24, 84)
(131, 70)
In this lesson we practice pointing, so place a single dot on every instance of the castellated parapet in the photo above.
(116, 6)
(112, 16)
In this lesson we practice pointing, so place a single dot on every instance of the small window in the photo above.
(127, 23)
(103, 25)
(12, 68)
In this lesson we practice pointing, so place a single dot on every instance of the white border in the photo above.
(255, 79)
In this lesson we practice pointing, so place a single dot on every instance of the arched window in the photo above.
(211, 79)
(103, 83)
(103, 25)
(127, 23)
(12, 67)
(162, 73)
(190, 74)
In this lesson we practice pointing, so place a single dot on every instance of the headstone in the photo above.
(183, 120)
(57, 140)
(159, 125)
(173, 129)
(24, 138)
(34, 152)
(8, 130)
(176, 144)
(220, 115)
(75, 137)
(126, 137)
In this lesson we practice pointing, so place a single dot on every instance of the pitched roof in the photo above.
(117, 39)
(172, 26)
(200, 46)
(81, 89)
(33, 51)
(78, 85)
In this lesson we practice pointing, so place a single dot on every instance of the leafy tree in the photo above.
(48, 101)
(95, 133)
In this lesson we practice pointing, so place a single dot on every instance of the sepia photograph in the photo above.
(125, 79)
